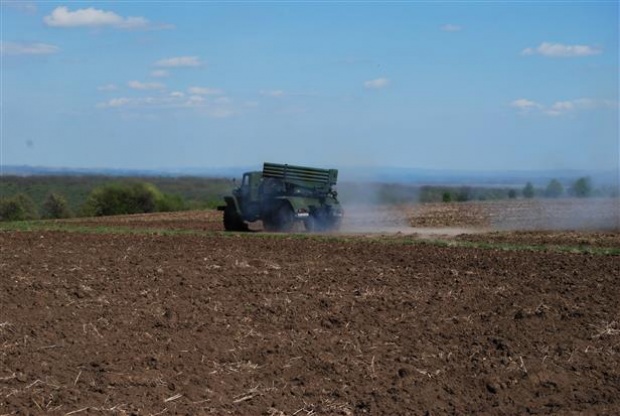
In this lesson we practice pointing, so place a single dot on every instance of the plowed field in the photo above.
(130, 319)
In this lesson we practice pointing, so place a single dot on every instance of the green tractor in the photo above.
(282, 196)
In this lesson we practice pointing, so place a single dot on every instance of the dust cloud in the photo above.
(367, 211)
(378, 207)
(596, 214)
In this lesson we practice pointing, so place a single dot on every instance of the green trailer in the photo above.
(282, 195)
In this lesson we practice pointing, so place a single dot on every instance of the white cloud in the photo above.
(91, 17)
(160, 73)
(108, 87)
(525, 104)
(197, 104)
(377, 83)
(179, 62)
(15, 48)
(558, 50)
(563, 107)
(195, 100)
(559, 108)
(135, 102)
(204, 91)
(137, 85)
(451, 28)
(115, 103)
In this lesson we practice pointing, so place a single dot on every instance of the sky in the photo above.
(484, 85)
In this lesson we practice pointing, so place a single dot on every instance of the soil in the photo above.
(263, 324)
(522, 214)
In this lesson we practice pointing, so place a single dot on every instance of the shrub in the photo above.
(130, 198)
(554, 189)
(528, 190)
(582, 188)
(170, 203)
(55, 206)
(17, 208)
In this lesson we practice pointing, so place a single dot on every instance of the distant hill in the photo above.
(352, 174)
(479, 178)
(24, 170)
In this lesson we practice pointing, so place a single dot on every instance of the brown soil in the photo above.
(210, 220)
(581, 239)
(255, 324)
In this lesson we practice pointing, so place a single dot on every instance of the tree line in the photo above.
(61, 196)
(109, 199)
(29, 198)
(580, 188)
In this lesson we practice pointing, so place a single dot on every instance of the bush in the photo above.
(170, 203)
(55, 206)
(129, 198)
(582, 188)
(17, 208)
(528, 190)
(554, 189)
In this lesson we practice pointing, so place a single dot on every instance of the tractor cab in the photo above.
(248, 196)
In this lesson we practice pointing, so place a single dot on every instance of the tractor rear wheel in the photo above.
(320, 221)
(311, 224)
(269, 225)
(285, 218)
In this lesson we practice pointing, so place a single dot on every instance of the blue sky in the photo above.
(440, 85)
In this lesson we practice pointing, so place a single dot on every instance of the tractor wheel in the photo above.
(285, 218)
(316, 223)
(321, 220)
(232, 220)
(269, 225)
(311, 224)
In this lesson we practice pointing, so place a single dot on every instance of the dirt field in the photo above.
(382, 322)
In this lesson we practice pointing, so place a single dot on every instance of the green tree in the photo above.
(55, 206)
(512, 194)
(129, 198)
(20, 207)
(582, 187)
(528, 190)
(554, 189)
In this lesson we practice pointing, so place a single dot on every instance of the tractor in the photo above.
(282, 196)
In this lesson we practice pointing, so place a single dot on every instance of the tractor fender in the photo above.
(232, 202)
(300, 206)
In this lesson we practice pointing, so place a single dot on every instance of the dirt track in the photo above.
(282, 325)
